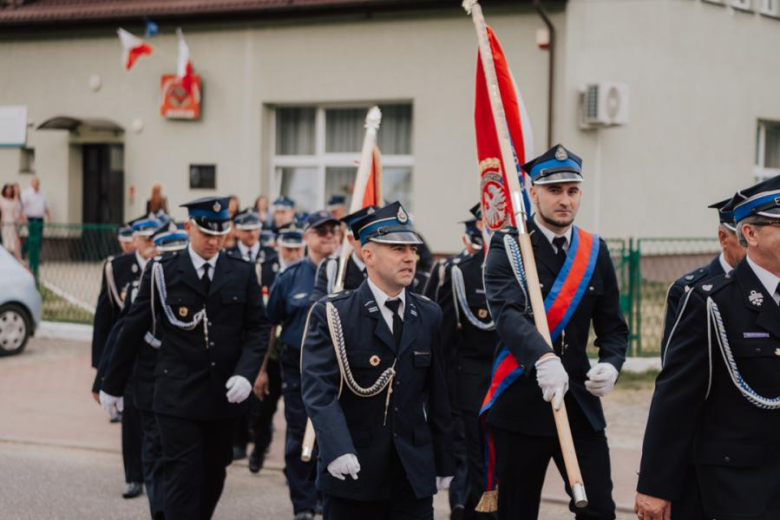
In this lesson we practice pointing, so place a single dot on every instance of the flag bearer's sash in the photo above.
(560, 305)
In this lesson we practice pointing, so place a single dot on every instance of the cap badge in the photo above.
(756, 298)
(374, 360)
(402, 217)
(217, 207)
(561, 154)
(183, 311)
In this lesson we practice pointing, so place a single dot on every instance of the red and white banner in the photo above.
(184, 63)
(496, 203)
(373, 194)
(133, 48)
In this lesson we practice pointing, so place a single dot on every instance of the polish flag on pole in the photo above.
(373, 194)
(132, 48)
(184, 64)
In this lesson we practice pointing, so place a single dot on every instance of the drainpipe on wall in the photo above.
(551, 75)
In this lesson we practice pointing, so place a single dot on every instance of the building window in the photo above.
(770, 7)
(317, 150)
(744, 5)
(203, 176)
(767, 149)
(27, 160)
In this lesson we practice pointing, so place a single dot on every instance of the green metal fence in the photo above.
(67, 260)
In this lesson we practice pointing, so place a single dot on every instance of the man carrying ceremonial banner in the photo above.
(542, 318)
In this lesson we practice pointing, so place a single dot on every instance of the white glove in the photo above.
(601, 379)
(443, 482)
(345, 465)
(239, 389)
(552, 379)
(111, 404)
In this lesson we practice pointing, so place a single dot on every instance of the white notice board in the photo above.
(13, 126)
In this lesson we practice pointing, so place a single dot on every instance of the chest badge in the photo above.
(756, 298)
(183, 312)
(374, 360)
(777, 352)
(482, 313)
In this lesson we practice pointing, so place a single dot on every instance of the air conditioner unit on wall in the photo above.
(604, 104)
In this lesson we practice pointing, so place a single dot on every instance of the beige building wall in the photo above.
(700, 77)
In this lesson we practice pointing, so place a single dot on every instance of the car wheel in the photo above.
(15, 329)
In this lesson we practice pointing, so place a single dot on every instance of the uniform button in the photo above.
(727, 458)
(165, 371)
(211, 343)
(210, 324)
(395, 409)
(235, 298)
(397, 382)
(395, 434)
(213, 364)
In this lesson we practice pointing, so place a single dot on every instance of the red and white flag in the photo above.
(497, 208)
(132, 48)
(184, 64)
(373, 194)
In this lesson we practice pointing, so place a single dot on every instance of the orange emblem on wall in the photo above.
(176, 102)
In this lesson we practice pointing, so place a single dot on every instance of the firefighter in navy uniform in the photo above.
(207, 311)
(140, 387)
(731, 254)
(355, 273)
(385, 438)
(716, 397)
(288, 306)
(118, 276)
(520, 418)
(469, 340)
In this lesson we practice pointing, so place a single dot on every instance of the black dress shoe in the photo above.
(457, 512)
(256, 462)
(133, 489)
(239, 452)
(304, 515)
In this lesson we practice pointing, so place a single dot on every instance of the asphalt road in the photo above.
(60, 459)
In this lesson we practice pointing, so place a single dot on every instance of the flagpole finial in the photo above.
(373, 118)
(468, 5)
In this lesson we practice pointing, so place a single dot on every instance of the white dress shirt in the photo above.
(767, 279)
(724, 264)
(381, 297)
(34, 203)
(141, 262)
(198, 262)
(359, 262)
(249, 253)
(550, 236)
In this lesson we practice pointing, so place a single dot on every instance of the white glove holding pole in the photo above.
(601, 379)
(552, 379)
(443, 483)
(239, 389)
(345, 465)
(111, 404)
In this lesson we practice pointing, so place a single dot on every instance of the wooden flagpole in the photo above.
(373, 118)
(526, 249)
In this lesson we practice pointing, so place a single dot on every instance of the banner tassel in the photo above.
(489, 502)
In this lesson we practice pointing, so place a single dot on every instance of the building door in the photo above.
(104, 183)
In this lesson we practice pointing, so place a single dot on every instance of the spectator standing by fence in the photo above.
(157, 201)
(10, 215)
(36, 210)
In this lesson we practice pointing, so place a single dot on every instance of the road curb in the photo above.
(60, 330)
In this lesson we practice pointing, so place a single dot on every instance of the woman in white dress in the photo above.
(10, 216)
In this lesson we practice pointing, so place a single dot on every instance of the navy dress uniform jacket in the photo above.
(267, 262)
(600, 306)
(677, 292)
(125, 269)
(697, 409)
(470, 349)
(418, 420)
(290, 299)
(190, 375)
(353, 277)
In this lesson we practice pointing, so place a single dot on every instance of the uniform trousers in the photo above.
(459, 486)
(152, 456)
(521, 464)
(132, 441)
(262, 412)
(475, 482)
(195, 455)
(402, 504)
(300, 475)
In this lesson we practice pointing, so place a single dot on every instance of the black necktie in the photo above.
(398, 323)
(777, 291)
(559, 242)
(205, 280)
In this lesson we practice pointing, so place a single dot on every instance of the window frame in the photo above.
(765, 10)
(322, 160)
(760, 171)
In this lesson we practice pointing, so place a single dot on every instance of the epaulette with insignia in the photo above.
(233, 255)
(338, 295)
(694, 276)
(713, 285)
